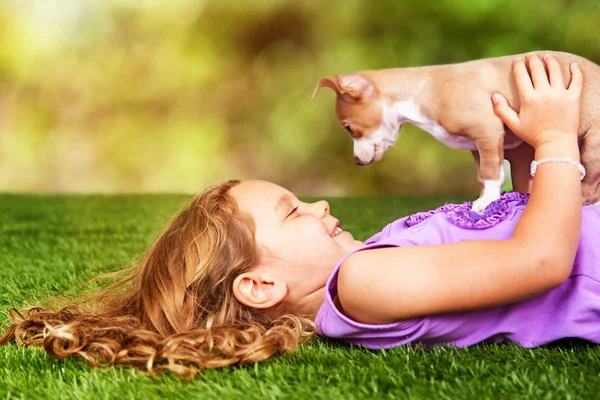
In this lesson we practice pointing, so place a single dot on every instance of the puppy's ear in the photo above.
(350, 87)
(330, 81)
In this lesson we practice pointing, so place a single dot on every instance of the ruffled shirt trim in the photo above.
(462, 216)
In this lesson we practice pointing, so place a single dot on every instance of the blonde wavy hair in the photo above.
(175, 309)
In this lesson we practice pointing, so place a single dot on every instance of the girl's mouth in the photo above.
(336, 231)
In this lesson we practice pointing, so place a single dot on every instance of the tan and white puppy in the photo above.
(453, 103)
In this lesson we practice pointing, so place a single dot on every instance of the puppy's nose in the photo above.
(358, 162)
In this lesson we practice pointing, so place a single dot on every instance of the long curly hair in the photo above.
(175, 309)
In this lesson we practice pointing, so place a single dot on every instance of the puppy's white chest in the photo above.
(408, 112)
(454, 141)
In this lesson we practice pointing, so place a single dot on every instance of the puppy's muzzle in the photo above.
(358, 162)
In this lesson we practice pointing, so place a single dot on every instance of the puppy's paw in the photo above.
(491, 192)
(480, 204)
(591, 200)
(590, 192)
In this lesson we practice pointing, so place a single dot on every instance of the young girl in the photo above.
(248, 270)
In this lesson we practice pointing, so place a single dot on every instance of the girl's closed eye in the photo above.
(293, 211)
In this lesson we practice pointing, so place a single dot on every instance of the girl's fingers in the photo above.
(505, 112)
(538, 72)
(522, 79)
(576, 83)
(554, 72)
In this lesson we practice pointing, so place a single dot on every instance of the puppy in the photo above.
(453, 103)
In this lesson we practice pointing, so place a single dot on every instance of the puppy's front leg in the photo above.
(491, 171)
(475, 154)
(477, 160)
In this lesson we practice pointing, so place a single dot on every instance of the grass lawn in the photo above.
(50, 244)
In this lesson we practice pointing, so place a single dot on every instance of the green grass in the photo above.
(51, 244)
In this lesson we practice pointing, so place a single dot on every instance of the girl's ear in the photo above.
(257, 289)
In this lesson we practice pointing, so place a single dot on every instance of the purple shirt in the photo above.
(571, 310)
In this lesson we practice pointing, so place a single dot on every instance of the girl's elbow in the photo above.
(554, 265)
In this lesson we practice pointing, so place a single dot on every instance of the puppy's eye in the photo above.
(347, 127)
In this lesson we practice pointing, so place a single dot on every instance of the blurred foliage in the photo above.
(169, 95)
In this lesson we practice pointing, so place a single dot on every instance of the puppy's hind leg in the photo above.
(520, 159)
(590, 158)
(491, 171)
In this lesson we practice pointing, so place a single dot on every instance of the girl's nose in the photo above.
(322, 208)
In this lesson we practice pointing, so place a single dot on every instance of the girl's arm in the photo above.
(391, 284)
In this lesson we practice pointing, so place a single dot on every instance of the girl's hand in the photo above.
(549, 111)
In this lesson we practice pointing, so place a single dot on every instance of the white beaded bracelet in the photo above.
(534, 164)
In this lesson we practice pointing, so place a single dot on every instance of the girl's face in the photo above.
(299, 244)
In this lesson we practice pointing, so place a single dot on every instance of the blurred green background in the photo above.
(167, 96)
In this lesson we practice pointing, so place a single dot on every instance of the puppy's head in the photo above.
(361, 110)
